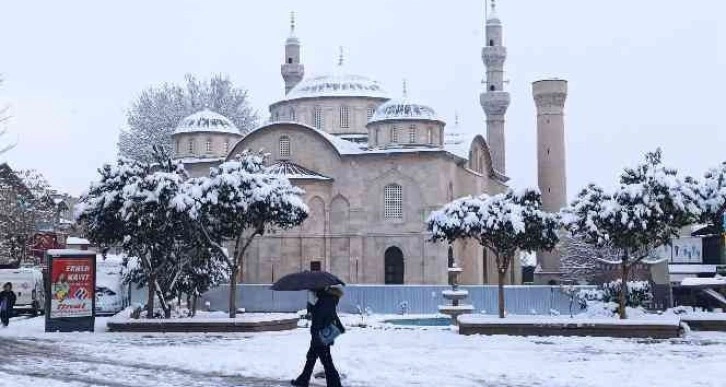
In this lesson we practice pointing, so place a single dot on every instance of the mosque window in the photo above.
(430, 135)
(177, 146)
(191, 146)
(318, 117)
(375, 136)
(491, 42)
(344, 117)
(369, 112)
(393, 202)
(209, 145)
(292, 114)
(492, 88)
(284, 146)
(412, 134)
(394, 134)
(289, 60)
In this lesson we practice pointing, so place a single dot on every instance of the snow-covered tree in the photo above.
(713, 191)
(237, 202)
(503, 223)
(5, 143)
(158, 110)
(581, 261)
(132, 205)
(648, 209)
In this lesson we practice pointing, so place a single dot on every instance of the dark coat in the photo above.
(324, 313)
(9, 298)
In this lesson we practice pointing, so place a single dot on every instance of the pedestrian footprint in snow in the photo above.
(7, 302)
(325, 327)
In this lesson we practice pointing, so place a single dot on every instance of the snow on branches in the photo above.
(713, 192)
(503, 223)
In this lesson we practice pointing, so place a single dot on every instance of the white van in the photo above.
(28, 288)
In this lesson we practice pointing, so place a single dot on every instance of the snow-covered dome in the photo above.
(403, 109)
(206, 121)
(337, 85)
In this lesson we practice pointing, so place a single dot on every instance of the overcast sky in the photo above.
(641, 74)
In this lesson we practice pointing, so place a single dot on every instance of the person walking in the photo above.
(7, 302)
(324, 328)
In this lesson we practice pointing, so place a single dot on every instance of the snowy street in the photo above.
(374, 356)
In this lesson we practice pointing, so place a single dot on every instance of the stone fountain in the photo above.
(455, 297)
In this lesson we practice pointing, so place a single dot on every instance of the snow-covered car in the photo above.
(109, 301)
(28, 288)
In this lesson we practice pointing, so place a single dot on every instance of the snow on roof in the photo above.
(691, 268)
(337, 84)
(194, 160)
(459, 143)
(77, 241)
(70, 252)
(294, 171)
(695, 281)
(403, 109)
(206, 121)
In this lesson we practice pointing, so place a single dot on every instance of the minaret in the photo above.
(495, 100)
(549, 96)
(292, 70)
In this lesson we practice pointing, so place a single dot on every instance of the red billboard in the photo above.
(71, 287)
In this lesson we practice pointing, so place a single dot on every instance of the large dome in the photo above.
(206, 121)
(403, 109)
(337, 85)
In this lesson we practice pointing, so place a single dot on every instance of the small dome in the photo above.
(337, 85)
(206, 121)
(403, 109)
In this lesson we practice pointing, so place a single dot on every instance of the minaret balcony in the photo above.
(292, 70)
(494, 55)
(494, 102)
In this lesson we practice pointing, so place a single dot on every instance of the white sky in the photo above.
(641, 74)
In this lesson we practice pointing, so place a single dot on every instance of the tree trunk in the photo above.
(502, 275)
(623, 290)
(150, 296)
(233, 292)
(194, 304)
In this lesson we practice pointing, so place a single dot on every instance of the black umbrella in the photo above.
(306, 280)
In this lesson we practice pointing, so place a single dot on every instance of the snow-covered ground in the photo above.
(379, 355)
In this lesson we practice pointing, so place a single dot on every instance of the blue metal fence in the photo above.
(394, 299)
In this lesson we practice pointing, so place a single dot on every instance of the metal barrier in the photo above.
(398, 299)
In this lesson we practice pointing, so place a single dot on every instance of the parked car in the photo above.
(28, 288)
(110, 301)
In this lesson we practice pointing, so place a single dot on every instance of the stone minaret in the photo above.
(292, 70)
(495, 100)
(549, 96)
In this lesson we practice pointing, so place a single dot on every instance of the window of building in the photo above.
(191, 146)
(344, 117)
(375, 136)
(491, 42)
(394, 266)
(284, 146)
(209, 145)
(292, 114)
(393, 201)
(369, 112)
(394, 134)
(289, 60)
(177, 146)
(318, 117)
(316, 266)
(430, 135)
(492, 88)
(412, 134)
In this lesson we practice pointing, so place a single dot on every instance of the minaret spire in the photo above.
(405, 89)
(340, 56)
(494, 100)
(292, 70)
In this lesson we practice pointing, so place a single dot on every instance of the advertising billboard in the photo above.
(70, 290)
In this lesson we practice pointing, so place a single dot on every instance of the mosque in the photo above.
(373, 167)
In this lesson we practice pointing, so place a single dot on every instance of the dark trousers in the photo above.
(5, 317)
(322, 352)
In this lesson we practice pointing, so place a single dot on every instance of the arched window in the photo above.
(177, 146)
(430, 135)
(412, 134)
(317, 117)
(292, 114)
(369, 112)
(344, 117)
(209, 145)
(375, 136)
(394, 134)
(393, 266)
(284, 146)
(492, 88)
(289, 60)
(191, 146)
(393, 202)
(491, 42)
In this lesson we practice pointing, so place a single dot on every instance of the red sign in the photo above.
(71, 287)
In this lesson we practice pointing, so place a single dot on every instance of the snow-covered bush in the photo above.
(607, 295)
